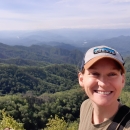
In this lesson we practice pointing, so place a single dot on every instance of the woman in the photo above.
(103, 78)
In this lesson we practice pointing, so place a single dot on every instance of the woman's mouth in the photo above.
(103, 92)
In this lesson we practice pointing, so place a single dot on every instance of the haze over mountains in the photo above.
(70, 39)
(71, 36)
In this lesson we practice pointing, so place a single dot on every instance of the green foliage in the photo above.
(51, 79)
(8, 121)
(43, 89)
(124, 98)
(127, 85)
(45, 53)
(34, 111)
(57, 123)
(73, 125)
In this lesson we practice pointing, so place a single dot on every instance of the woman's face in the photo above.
(103, 82)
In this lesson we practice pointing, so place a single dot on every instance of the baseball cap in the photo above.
(99, 52)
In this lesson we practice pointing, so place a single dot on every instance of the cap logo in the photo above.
(104, 50)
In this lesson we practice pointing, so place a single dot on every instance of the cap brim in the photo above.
(94, 60)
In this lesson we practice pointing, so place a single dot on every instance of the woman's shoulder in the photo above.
(86, 103)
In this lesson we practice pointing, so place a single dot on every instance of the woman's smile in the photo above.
(103, 92)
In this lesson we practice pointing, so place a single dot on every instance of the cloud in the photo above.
(43, 14)
(121, 1)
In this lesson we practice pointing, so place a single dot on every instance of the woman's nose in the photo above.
(102, 82)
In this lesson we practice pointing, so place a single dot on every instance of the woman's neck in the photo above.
(103, 113)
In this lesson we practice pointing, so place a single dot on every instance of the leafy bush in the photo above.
(8, 121)
(57, 123)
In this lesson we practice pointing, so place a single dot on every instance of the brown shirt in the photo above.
(86, 119)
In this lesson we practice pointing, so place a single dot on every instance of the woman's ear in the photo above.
(80, 78)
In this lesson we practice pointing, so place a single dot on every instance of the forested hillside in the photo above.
(40, 81)
(52, 78)
(44, 53)
(32, 94)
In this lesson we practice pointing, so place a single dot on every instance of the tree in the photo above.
(8, 121)
(57, 123)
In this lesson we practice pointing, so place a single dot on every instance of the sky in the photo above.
(59, 14)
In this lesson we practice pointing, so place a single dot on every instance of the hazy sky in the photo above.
(55, 14)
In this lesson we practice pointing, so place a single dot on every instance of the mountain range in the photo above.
(74, 37)
(58, 46)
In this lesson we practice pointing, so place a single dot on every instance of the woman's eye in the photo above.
(112, 74)
(95, 74)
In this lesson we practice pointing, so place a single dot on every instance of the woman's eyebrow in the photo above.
(92, 68)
